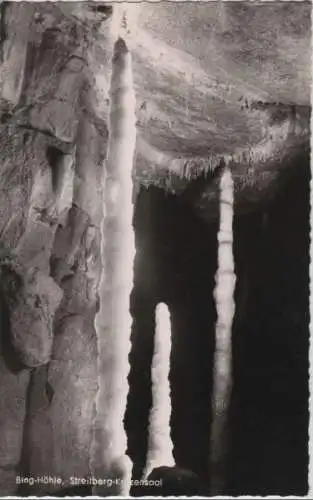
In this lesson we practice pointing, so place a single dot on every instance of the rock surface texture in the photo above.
(215, 83)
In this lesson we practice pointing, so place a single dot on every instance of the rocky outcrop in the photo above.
(32, 299)
(53, 146)
(72, 370)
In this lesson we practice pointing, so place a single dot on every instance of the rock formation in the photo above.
(228, 95)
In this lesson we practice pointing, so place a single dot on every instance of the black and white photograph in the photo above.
(155, 248)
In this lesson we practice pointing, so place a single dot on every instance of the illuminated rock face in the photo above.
(51, 205)
(54, 133)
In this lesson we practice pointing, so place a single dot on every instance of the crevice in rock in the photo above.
(49, 392)
(107, 10)
(54, 156)
(39, 397)
(24, 490)
(7, 349)
(62, 180)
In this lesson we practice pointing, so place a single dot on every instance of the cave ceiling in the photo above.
(219, 80)
(199, 68)
(213, 80)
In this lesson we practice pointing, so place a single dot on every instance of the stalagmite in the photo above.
(160, 446)
(113, 321)
(225, 306)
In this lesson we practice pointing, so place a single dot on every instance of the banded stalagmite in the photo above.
(113, 320)
(160, 446)
(225, 305)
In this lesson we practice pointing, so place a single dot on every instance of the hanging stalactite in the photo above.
(160, 446)
(225, 306)
(113, 321)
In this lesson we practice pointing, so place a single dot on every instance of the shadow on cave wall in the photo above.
(176, 263)
(6, 347)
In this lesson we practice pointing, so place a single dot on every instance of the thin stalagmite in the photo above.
(113, 321)
(160, 446)
(225, 306)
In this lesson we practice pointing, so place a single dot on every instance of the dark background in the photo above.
(176, 263)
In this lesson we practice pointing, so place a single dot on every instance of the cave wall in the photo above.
(53, 144)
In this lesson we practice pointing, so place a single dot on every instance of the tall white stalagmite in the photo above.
(225, 306)
(160, 446)
(113, 321)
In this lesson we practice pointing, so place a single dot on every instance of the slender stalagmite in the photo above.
(225, 306)
(160, 446)
(113, 321)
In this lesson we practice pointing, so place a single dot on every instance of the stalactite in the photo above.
(113, 321)
(225, 305)
(160, 446)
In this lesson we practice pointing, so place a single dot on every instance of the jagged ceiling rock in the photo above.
(199, 66)
(216, 81)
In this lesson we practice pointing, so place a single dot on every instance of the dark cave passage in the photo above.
(171, 268)
(176, 263)
(270, 342)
